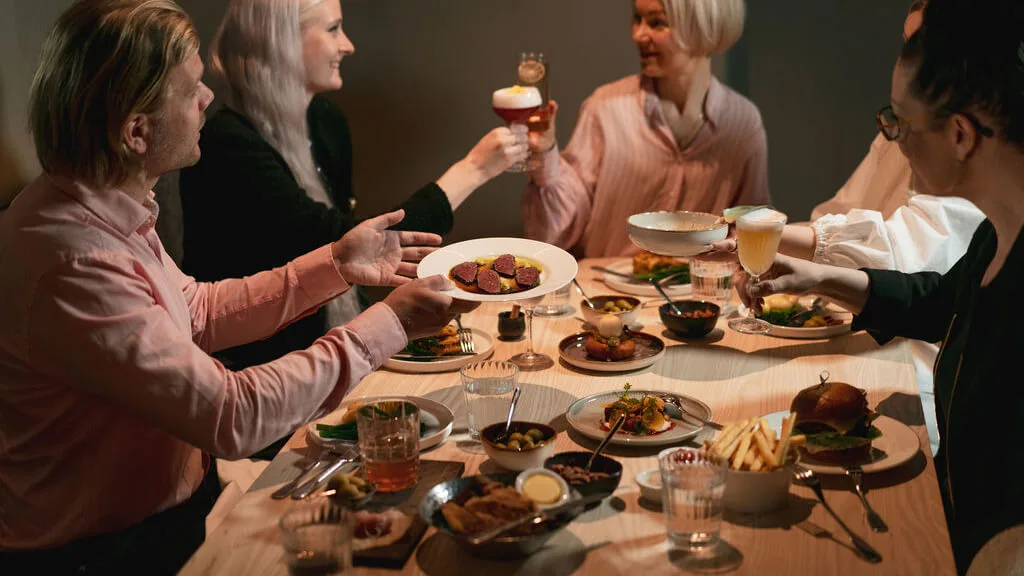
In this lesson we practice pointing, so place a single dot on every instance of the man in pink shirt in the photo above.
(110, 405)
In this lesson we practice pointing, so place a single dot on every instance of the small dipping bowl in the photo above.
(689, 327)
(533, 475)
(511, 328)
(593, 315)
(649, 482)
(601, 464)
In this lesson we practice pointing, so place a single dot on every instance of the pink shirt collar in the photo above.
(651, 104)
(111, 205)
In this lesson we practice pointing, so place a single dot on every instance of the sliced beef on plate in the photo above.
(527, 277)
(505, 265)
(489, 281)
(465, 272)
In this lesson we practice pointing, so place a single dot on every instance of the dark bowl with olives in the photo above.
(527, 446)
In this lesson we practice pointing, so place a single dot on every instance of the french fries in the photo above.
(752, 445)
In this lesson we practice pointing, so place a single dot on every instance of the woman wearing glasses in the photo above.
(958, 116)
(670, 138)
(883, 217)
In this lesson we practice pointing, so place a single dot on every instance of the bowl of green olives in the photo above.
(627, 308)
(527, 446)
(349, 490)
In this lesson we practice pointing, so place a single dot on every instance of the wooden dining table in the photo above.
(738, 376)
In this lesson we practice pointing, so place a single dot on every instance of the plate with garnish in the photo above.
(441, 353)
(435, 423)
(634, 276)
(802, 317)
(653, 417)
(611, 347)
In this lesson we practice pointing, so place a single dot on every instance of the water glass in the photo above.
(693, 487)
(389, 440)
(555, 303)
(488, 386)
(712, 280)
(317, 538)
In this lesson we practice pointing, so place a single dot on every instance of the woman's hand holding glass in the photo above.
(372, 255)
(496, 151)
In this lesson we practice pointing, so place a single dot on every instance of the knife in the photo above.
(311, 485)
(535, 518)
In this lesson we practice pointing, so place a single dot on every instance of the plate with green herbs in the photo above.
(675, 280)
(802, 317)
(340, 426)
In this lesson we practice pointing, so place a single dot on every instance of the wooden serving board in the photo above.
(395, 555)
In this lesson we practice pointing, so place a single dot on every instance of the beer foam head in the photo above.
(762, 219)
(516, 97)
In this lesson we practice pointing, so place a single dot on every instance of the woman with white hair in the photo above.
(670, 138)
(275, 177)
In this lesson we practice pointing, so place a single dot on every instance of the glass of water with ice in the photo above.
(488, 386)
(692, 484)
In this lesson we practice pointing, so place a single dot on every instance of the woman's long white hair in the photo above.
(256, 61)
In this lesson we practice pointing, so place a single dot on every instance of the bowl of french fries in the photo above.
(760, 461)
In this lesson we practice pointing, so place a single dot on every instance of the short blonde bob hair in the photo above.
(104, 61)
(706, 27)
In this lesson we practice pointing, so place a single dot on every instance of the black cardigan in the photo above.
(977, 380)
(244, 212)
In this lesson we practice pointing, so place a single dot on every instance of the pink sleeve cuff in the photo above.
(549, 168)
(318, 275)
(380, 333)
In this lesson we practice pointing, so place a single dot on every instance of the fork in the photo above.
(285, 490)
(465, 337)
(686, 413)
(855, 473)
(811, 480)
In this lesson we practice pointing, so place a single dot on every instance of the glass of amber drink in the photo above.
(757, 241)
(389, 440)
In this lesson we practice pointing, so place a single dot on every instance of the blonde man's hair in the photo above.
(104, 61)
(706, 27)
(256, 63)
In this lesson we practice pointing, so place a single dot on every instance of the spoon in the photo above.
(671, 304)
(611, 433)
(511, 410)
(584, 294)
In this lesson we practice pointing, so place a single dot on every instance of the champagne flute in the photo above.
(757, 240)
(531, 359)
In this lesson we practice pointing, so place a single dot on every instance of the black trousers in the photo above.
(160, 544)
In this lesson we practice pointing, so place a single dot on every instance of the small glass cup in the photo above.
(555, 303)
(693, 487)
(712, 280)
(488, 386)
(317, 538)
(389, 440)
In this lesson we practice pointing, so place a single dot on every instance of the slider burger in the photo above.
(611, 341)
(837, 422)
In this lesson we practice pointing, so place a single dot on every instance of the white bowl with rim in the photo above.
(677, 234)
(649, 482)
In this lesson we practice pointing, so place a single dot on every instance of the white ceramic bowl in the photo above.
(649, 482)
(531, 472)
(757, 492)
(628, 318)
(678, 234)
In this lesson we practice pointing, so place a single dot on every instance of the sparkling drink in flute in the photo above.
(516, 105)
(757, 240)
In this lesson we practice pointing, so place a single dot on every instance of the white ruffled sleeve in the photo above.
(929, 233)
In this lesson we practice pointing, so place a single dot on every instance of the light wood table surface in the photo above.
(738, 376)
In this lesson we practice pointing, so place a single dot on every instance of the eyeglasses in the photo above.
(895, 128)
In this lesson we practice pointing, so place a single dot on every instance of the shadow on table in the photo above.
(721, 558)
(439, 555)
(537, 404)
(598, 374)
(795, 511)
(903, 407)
(718, 362)
(710, 338)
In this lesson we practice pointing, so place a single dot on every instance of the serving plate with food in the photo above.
(841, 430)
(611, 347)
(634, 276)
(440, 353)
(500, 269)
(650, 419)
(802, 317)
(435, 423)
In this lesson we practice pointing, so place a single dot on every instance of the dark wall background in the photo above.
(417, 91)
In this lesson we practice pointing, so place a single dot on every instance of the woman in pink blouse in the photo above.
(670, 138)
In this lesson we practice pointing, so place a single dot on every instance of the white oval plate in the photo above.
(484, 346)
(810, 333)
(436, 416)
(638, 288)
(897, 444)
(559, 267)
(585, 417)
